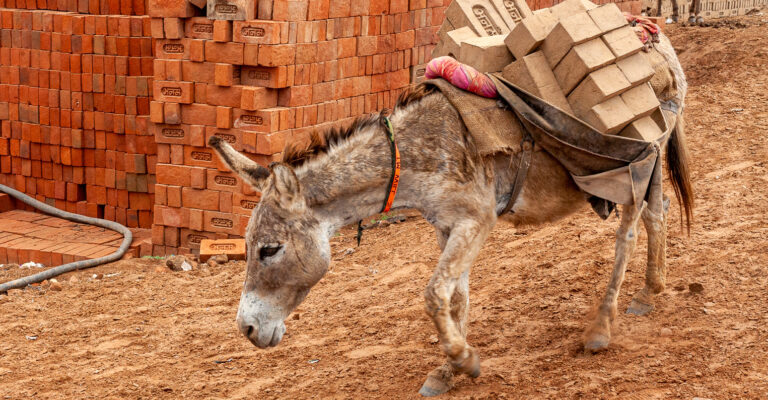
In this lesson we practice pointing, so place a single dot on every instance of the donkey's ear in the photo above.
(251, 172)
(286, 187)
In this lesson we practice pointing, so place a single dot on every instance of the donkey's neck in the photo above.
(350, 181)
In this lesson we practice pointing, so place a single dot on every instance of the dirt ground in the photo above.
(140, 333)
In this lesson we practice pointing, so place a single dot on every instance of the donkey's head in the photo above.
(288, 251)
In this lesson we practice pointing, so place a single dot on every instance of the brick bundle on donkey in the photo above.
(582, 58)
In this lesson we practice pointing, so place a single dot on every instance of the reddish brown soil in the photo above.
(149, 334)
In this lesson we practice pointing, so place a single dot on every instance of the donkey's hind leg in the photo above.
(655, 221)
(599, 333)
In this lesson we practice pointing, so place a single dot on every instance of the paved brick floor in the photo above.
(28, 236)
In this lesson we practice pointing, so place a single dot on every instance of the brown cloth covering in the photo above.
(493, 128)
(612, 168)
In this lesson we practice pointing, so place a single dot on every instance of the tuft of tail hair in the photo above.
(680, 173)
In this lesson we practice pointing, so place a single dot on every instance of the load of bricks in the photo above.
(261, 74)
(582, 58)
(74, 105)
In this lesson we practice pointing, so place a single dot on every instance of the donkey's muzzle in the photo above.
(262, 337)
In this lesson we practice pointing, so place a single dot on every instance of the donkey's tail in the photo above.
(677, 149)
(679, 171)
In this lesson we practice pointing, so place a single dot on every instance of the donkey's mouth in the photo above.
(267, 338)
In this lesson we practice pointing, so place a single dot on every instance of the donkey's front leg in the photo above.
(440, 380)
(463, 244)
(599, 334)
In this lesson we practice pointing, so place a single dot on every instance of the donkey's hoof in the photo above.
(438, 381)
(470, 365)
(639, 308)
(596, 342)
(434, 387)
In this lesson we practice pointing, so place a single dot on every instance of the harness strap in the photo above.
(522, 172)
(394, 180)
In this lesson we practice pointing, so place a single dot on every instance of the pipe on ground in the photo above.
(62, 269)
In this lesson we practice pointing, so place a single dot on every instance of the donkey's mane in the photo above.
(321, 142)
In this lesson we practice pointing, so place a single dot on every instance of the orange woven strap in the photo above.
(395, 167)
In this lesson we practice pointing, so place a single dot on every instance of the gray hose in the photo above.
(62, 269)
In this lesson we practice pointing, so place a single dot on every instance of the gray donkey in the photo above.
(344, 176)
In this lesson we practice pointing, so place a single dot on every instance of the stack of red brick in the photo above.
(93, 7)
(260, 74)
(74, 100)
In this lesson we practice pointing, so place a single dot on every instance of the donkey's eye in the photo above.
(268, 251)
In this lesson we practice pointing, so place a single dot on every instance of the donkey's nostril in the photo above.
(250, 330)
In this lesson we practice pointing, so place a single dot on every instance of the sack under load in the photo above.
(582, 58)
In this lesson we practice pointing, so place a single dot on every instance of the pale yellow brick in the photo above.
(569, 32)
(623, 42)
(532, 74)
(636, 68)
(596, 88)
(580, 61)
(641, 100)
(528, 35)
(610, 116)
(608, 17)
(485, 53)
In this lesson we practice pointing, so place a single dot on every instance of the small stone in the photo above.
(220, 258)
(433, 339)
(296, 316)
(74, 279)
(160, 269)
(56, 285)
(665, 332)
(696, 287)
(212, 263)
(349, 251)
(176, 263)
(706, 311)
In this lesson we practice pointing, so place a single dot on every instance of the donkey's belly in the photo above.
(548, 193)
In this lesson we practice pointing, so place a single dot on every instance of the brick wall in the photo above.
(74, 100)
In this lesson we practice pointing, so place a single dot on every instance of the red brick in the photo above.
(230, 53)
(224, 117)
(172, 113)
(276, 55)
(221, 222)
(271, 77)
(256, 32)
(170, 8)
(173, 28)
(290, 10)
(200, 199)
(198, 28)
(257, 98)
(224, 74)
(234, 249)
(179, 92)
(222, 31)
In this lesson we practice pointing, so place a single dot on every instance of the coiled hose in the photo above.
(62, 269)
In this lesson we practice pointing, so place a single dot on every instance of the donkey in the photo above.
(344, 176)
